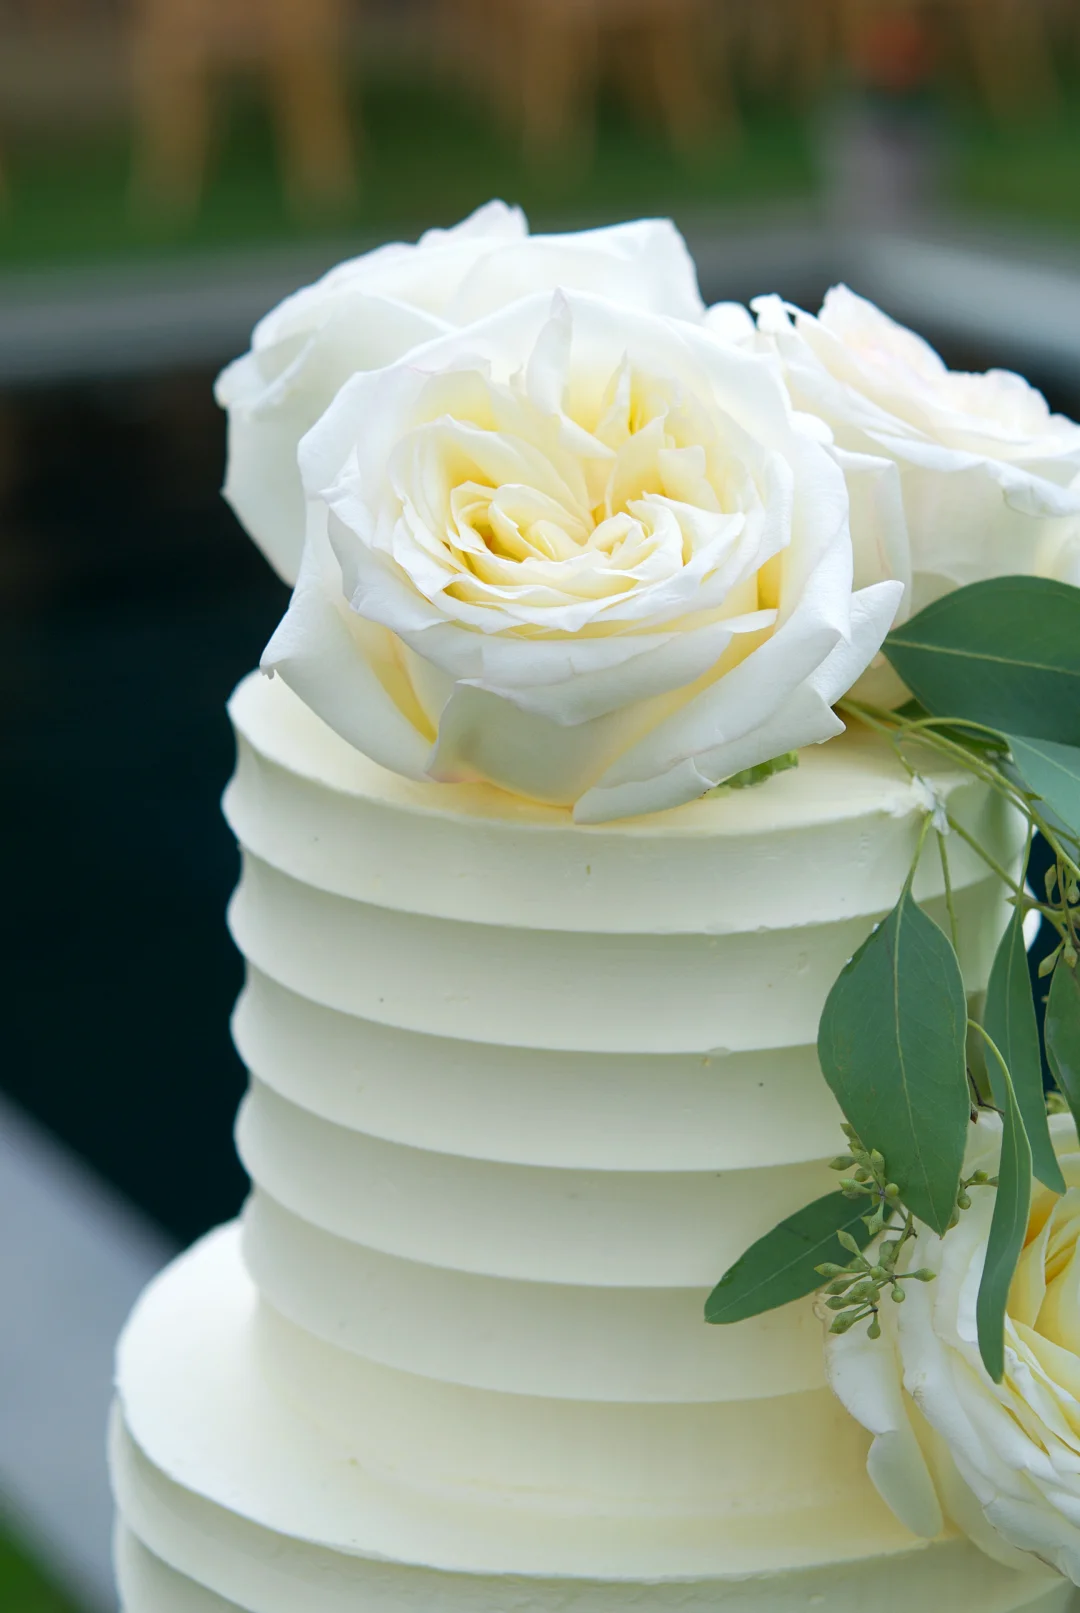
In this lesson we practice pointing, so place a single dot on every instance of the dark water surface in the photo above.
(131, 604)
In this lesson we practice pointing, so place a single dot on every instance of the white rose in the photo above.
(1002, 1461)
(583, 553)
(990, 479)
(370, 311)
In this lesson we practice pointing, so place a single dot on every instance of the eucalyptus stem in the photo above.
(922, 730)
(973, 1024)
(950, 906)
(990, 861)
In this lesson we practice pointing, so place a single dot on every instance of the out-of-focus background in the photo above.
(168, 170)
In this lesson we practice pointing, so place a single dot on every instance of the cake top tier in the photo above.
(832, 837)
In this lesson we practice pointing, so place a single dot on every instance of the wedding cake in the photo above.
(527, 1076)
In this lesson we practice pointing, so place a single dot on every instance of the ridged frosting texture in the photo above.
(520, 1090)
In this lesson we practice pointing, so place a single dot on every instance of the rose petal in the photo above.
(345, 669)
(863, 1373)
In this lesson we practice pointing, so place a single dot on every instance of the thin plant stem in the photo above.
(950, 906)
(991, 862)
(901, 730)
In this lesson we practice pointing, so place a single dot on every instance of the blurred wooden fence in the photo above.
(537, 66)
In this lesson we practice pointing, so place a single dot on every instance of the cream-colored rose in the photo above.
(583, 553)
(990, 479)
(373, 309)
(1002, 1461)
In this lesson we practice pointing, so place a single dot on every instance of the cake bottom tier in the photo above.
(230, 1498)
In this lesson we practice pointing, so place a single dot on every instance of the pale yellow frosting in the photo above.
(520, 1091)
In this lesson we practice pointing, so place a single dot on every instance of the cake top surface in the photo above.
(849, 777)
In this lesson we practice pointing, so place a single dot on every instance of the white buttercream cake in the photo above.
(520, 1091)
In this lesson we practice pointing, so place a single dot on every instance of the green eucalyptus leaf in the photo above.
(891, 1044)
(1062, 1032)
(1010, 1020)
(1004, 652)
(1052, 772)
(781, 1266)
(1008, 1229)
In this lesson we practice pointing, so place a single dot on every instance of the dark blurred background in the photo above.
(168, 170)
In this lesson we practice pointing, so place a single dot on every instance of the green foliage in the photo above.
(891, 1044)
(1062, 1031)
(1008, 1228)
(1004, 653)
(1051, 772)
(995, 673)
(1010, 1022)
(782, 1265)
(24, 1588)
(764, 770)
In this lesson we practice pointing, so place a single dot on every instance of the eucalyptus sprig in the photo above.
(994, 671)
(855, 1291)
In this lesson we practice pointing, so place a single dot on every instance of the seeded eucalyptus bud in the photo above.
(862, 1291)
(862, 1174)
(842, 1322)
(877, 1162)
(829, 1269)
(879, 1274)
(979, 1179)
(849, 1131)
(839, 1302)
(963, 1201)
(846, 1241)
(1069, 956)
(1046, 967)
(923, 1275)
(839, 1285)
(898, 1295)
(891, 1190)
(874, 1330)
(842, 1162)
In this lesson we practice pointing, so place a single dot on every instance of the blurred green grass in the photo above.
(1027, 173)
(428, 155)
(23, 1586)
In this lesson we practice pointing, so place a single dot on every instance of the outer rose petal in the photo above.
(864, 1375)
(990, 479)
(332, 659)
(779, 699)
(643, 265)
(268, 419)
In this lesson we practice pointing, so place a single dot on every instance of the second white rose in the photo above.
(990, 477)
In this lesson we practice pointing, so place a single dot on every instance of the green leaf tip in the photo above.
(1004, 652)
(1008, 1229)
(782, 1266)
